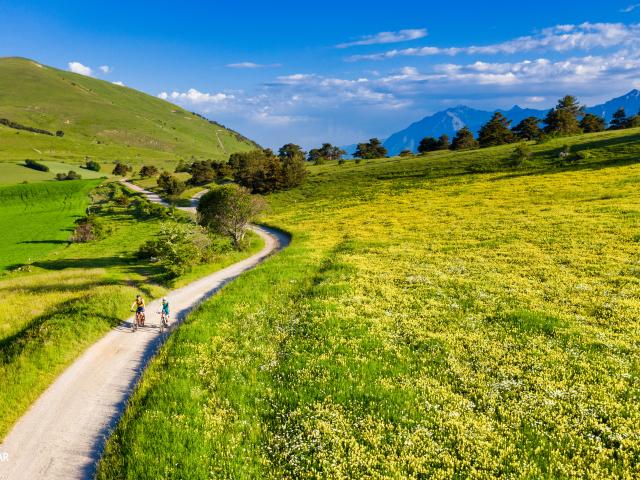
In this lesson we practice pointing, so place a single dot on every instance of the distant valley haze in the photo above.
(287, 72)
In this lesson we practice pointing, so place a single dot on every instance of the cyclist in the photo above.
(139, 309)
(165, 310)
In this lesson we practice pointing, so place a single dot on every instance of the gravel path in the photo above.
(63, 434)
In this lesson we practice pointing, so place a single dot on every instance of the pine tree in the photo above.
(528, 129)
(428, 144)
(563, 119)
(464, 140)
(444, 143)
(619, 120)
(591, 123)
(495, 132)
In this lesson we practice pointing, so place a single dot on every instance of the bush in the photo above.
(182, 167)
(71, 175)
(93, 166)
(59, 133)
(406, 153)
(170, 184)
(89, 228)
(521, 155)
(122, 200)
(36, 165)
(148, 171)
(179, 247)
(146, 209)
(121, 169)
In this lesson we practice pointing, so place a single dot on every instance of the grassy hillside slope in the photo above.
(99, 119)
(425, 322)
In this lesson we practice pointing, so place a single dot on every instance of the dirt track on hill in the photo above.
(63, 434)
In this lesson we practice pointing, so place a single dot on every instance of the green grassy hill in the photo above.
(427, 321)
(99, 119)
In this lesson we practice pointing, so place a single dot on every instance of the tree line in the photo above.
(18, 126)
(568, 117)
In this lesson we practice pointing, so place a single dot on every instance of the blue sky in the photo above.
(310, 72)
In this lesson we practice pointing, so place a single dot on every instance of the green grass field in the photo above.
(71, 294)
(425, 322)
(12, 173)
(99, 119)
(38, 218)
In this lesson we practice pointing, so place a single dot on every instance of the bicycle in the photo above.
(138, 321)
(164, 321)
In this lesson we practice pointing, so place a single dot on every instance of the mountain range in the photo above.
(449, 121)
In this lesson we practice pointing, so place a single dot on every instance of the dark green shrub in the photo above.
(36, 165)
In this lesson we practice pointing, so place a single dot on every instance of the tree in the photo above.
(222, 169)
(443, 142)
(262, 172)
(591, 123)
(229, 210)
(292, 165)
(563, 119)
(570, 104)
(373, 149)
(464, 140)
(528, 129)
(258, 170)
(326, 152)
(619, 120)
(148, 171)
(201, 173)
(93, 166)
(121, 169)
(634, 121)
(495, 132)
(428, 144)
(170, 184)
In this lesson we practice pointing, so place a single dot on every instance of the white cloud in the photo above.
(119, 83)
(253, 65)
(561, 38)
(105, 69)
(204, 101)
(77, 67)
(535, 99)
(387, 37)
(630, 8)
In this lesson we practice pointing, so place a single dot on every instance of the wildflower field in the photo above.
(425, 322)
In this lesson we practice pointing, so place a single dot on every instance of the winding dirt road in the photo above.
(63, 434)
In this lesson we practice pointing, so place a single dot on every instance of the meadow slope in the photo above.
(99, 119)
(424, 322)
